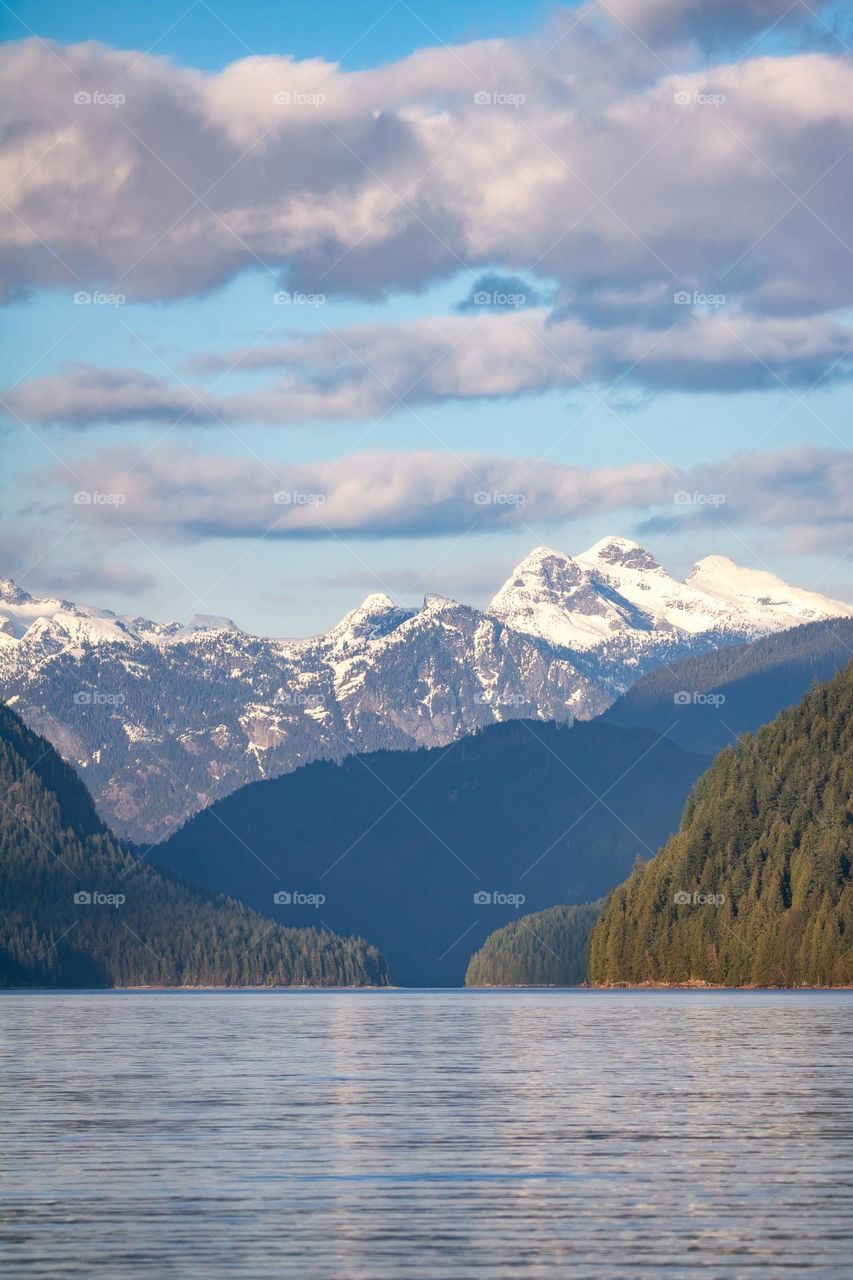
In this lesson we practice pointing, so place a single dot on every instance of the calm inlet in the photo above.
(388, 1134)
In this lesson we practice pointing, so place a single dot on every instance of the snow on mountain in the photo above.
(556, 598)
(769, 603)
(617, 589)
(666, 602)
(163, 718)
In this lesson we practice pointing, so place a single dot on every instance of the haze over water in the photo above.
(428, 1134)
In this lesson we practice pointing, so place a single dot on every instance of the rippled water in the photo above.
(427, 1134)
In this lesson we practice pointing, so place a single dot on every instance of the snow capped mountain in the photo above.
(618, 591)
(556, 598)
(163, 718)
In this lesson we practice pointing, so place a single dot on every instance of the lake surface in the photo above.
(439, 1135)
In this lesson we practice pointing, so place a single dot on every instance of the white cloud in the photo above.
(370, 181)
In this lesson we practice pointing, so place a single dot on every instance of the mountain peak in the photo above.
(11, 593)
(622, 552)
(377, 602)
(554, 597)
(376, 616)
(439, 604)
(540, 554)
(211, 622)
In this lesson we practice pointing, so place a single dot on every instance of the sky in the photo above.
(301, 303)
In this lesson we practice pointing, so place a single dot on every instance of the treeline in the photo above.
(545, 949)
(755, 889)
(76, 908)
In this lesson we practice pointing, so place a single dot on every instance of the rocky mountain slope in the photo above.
(163, 718)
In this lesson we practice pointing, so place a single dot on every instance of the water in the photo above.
(389, 1135)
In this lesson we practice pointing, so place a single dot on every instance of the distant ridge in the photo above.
(704, 702)
(401, 842)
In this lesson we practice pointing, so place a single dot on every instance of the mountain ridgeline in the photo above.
(547, 949)
(756, 886)
(77, 910)
(161, 719)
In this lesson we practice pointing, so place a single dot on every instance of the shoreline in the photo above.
(332, 990)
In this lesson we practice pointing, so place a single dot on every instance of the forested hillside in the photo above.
(756, 886)
(546, 949)
(76, 909)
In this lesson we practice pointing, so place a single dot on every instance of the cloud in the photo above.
(709, 22)
(585, 158)
(804, 496)
(368, 370)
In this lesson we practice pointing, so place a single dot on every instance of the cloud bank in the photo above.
(600, 155)
(369, 370)
(175, 495)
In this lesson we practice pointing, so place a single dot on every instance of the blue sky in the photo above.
(680, 417)
(210, 36)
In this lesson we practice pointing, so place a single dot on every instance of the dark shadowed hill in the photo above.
(400, 844)
(703, 703)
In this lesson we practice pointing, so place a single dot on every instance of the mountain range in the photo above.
(162, 719)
